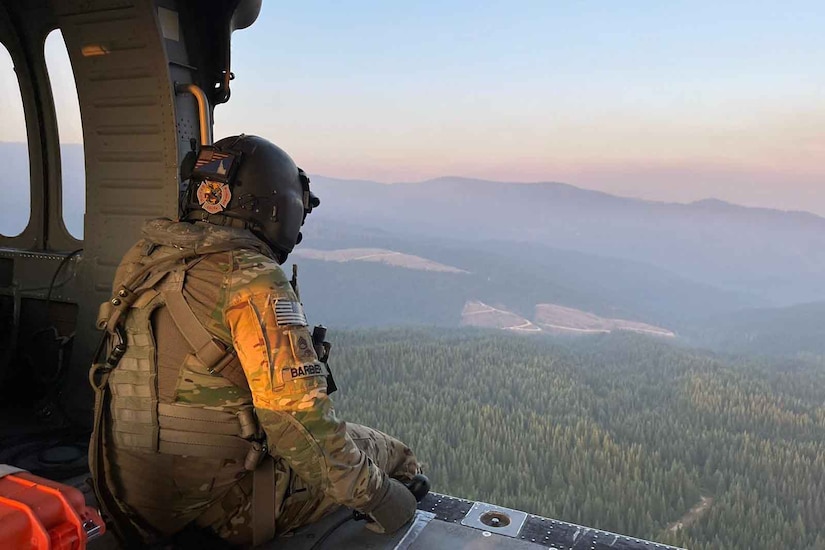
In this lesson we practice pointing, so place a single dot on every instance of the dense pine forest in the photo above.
(620, 432)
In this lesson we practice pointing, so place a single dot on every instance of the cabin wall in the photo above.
(127, 56)
(23, 30)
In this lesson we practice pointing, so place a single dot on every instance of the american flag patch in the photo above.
(289, 313)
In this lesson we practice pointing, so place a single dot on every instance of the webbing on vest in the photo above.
(175, 422)
(139, 420)
(133, 384)
(128, 527)
(199, 432)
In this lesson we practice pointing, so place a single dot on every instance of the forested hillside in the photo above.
(793, 330)
(619, 432)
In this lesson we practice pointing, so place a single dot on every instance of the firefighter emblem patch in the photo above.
(213, 196)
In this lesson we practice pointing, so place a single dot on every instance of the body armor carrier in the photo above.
(127, 407)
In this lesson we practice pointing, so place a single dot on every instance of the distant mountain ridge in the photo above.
(560, 189)
(431, 246)
(771, 253)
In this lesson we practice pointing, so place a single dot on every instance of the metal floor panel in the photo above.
(446, 532)
(441, 524)
(353, 535)
(440, 535)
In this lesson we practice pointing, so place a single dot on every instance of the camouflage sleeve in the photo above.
(289, 388)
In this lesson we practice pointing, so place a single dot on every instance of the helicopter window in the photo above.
(15, 208)
(67, 107)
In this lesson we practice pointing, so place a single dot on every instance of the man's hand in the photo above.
(392, 509)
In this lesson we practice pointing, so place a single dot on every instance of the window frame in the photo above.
(46, 231)
(58, 217)
(14, 70)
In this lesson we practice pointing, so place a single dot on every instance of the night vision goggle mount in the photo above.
(211, 173)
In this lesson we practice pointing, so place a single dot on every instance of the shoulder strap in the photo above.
(264, 505)
(212, 353)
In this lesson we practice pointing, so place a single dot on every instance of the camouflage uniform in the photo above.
(321, 462)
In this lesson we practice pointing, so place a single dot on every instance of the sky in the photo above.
(670, 100)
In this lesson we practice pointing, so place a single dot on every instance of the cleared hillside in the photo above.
(568, 319)
(479, 314)
(377, 255)
(552, 318)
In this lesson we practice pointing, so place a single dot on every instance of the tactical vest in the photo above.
(127, 407)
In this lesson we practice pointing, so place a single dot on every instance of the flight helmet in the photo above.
(247, 181)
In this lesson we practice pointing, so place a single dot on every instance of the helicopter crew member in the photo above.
(213, 406)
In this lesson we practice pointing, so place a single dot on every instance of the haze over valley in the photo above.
(709, 272)
(686, 269)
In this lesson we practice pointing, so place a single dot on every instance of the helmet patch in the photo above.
(213, 196)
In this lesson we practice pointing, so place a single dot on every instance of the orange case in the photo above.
(37, 513)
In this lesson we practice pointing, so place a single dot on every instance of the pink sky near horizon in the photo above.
(658, 110)
(769, 163)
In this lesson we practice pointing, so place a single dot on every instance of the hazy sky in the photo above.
(664, 100)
